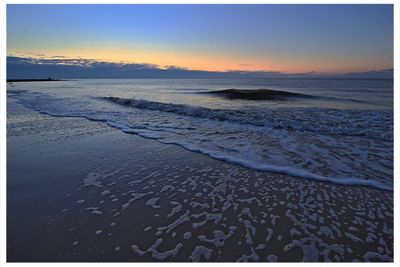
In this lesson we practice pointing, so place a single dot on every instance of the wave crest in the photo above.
(371, 124)
(258, 94)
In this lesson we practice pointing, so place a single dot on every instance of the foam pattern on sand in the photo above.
(233, 214)
(237, 213)
(152, 202)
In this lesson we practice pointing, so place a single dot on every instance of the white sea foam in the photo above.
(330, 121)
(348, 147)
(155, 253)
(200, 252)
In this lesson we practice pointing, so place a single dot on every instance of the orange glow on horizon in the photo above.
(204, 62)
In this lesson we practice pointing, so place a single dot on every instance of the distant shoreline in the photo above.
(191, 78)
(33, 80)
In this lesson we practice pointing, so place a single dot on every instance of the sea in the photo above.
(332, 130)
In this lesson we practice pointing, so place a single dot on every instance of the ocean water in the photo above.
(333, 130)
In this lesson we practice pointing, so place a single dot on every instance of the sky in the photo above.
(287, 39)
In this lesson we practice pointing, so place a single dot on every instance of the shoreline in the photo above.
(263, 167)
(34, 80)
(191, 207)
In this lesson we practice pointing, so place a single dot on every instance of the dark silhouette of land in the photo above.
(33, 80)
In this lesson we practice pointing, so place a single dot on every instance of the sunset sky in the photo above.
(284, 38)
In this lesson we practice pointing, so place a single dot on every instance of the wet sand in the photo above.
(79, 190)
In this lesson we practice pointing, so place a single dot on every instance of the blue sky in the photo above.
(284, 38)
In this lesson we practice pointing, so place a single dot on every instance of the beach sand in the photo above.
(79, 190)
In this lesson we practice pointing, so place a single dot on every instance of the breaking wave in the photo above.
(258, 94)
(349, 123)
(318, 144)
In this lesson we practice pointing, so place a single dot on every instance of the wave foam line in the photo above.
(230, 159)
(256, 166)
(314, 121)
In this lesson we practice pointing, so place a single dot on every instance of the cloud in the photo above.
(79, 68)
(75, 68)
(58, 57)
(173, 67)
